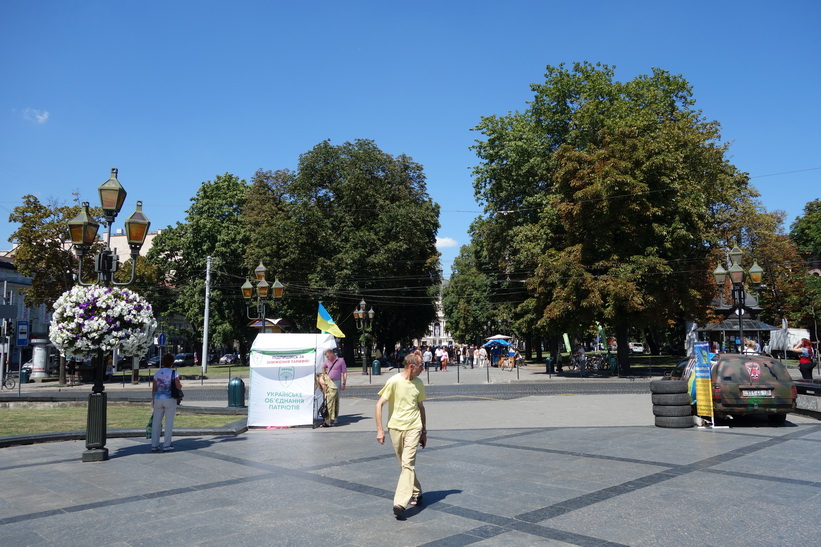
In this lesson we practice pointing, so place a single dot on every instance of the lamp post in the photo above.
(364, 321)
(262, 292)
(737, 276)
(83, 232)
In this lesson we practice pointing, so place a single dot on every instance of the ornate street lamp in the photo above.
(737, 275)
(261, 292)
(364, 322)
(83, 232)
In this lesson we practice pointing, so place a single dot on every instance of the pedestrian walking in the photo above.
(163, 403)
(427, 357)
(407, 425)
(334, 367)
(482, 352)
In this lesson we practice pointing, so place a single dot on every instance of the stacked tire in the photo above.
(671, 403)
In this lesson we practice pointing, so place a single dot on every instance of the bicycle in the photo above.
(8, 381)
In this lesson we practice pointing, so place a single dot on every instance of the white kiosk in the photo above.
(283, 368)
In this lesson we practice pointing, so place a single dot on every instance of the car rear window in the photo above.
(739, 370)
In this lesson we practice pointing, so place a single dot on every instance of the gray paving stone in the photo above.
(514, 472)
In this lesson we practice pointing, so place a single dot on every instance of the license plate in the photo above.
(756, 392)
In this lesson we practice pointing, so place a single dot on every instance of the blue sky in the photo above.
(174, 93)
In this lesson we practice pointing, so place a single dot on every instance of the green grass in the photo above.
(28, 421)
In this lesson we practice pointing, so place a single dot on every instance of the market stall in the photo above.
(282, 378)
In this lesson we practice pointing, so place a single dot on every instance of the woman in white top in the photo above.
(163, 403)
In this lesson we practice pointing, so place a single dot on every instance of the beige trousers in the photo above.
(405, 443)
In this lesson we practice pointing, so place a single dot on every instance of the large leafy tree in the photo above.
(466, 299)
(352, 222)
(806, 230)
(602, 197)
(806, 234)
(213, 227)
(41, 251)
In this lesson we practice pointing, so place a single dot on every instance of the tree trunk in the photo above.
(651, 342)
(622, 339)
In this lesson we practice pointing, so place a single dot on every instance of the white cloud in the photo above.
(446, 243)
(34, 115)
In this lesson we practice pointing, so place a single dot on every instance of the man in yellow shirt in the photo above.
(404, 394)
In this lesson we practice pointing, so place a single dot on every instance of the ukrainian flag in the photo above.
(326, 324)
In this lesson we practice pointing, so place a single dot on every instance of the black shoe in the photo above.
(399, 511)
(417, 499)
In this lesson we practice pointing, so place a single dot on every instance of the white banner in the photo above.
(281, 394)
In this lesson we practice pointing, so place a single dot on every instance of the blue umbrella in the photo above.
(496, 343)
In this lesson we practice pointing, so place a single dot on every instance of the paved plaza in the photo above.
(559, 469)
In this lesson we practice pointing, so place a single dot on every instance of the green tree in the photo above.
(604, 195)
(806, 234)
(213, 227)
(42, 252)
(806, 230)
(466, 298)
(352, 222)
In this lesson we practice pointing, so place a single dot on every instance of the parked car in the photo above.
(229, 359)
(636, 347)
(745, 385)
(184, 360)
(154, 362)
(52, 367)
(126, 363)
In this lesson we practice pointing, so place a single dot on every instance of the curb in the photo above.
(233, 429)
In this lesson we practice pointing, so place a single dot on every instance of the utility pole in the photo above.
(205, 318)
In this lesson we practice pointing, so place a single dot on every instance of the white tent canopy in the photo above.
(283, 368)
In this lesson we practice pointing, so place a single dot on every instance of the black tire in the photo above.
(671, 399)
(668, 386)
(674, 421)
(672, 411)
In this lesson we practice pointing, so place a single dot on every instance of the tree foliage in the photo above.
(603, 198)
(212, 227)
(352, 222)
(466, 298)
(806, 230)
(806, 234)
(42, 252)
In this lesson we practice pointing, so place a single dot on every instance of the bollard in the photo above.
(376, 367)
(236, 393)
(549, 365)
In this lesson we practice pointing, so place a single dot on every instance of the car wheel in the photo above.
(777, 419)
(680, 410)
(668, 386)
(671, 399)
(674, 421)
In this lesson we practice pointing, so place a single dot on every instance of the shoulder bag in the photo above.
(176, 393)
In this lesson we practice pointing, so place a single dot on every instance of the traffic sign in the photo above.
(161, 339)
(22, 333)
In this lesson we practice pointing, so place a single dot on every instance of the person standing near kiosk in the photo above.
(334, 366)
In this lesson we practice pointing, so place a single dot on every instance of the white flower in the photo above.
(90, 318)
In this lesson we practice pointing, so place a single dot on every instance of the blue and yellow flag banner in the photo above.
(326, 324)
(704, 388)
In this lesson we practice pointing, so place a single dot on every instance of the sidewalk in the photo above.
(563, 470)
(454, 375)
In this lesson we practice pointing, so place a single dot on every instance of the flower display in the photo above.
(90, 318)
